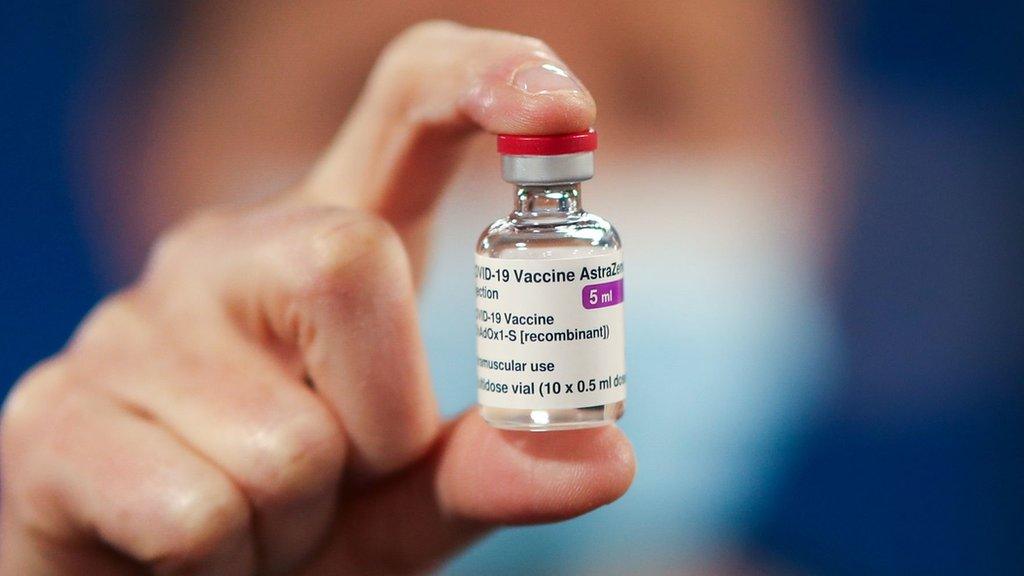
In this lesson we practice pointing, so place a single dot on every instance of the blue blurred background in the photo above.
(909, 458)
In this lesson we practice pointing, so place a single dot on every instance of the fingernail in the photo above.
(544, 78)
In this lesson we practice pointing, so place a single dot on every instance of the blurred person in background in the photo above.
(725, 158)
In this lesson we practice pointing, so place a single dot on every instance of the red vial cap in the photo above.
(516, 145)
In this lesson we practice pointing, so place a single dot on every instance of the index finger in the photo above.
(435, 86)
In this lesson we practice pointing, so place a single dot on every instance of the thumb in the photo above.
(478, 478)
(435, 85)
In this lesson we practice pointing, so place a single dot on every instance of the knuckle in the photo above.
(182, 242)
(29, 400)
(33, 430)
(109, 321)
(300, 457)
(344, 250)
(171, 245)
(194, 524)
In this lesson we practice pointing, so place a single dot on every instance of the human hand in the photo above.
(258, 402)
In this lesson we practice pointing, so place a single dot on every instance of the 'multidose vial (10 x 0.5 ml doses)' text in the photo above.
(549, 295)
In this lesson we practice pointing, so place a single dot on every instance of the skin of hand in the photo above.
(259, 402)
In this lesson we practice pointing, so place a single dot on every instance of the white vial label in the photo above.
(549, 333)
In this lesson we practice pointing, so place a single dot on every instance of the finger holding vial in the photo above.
(271, 355)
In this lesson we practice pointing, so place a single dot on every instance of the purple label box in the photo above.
(602, 295)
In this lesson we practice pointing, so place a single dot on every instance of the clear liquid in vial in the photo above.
(549, 224)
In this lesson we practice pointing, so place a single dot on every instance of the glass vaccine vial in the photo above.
(549, 295)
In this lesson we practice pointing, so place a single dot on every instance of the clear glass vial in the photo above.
(548, 222)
